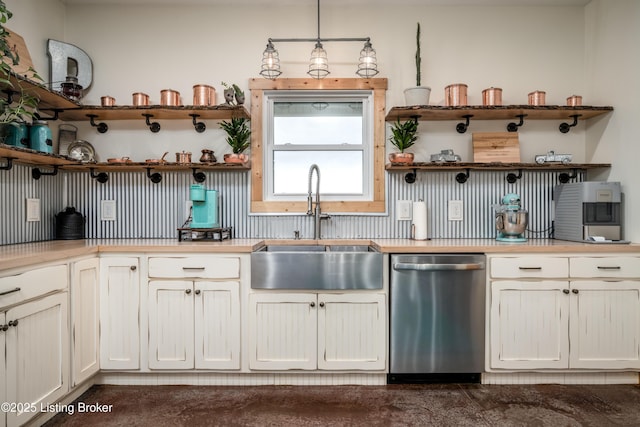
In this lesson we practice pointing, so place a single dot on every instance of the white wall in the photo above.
(562, 50)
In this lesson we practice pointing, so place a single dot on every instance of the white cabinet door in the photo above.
(529, 324)
(85, 319)
(37, 354)
(119, 313)
(351, 331)
(605, 324)
(283, 331)
(217, 325)
(171, 324)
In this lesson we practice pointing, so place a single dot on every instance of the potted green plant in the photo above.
(238, 138)
(20, 107)
(417, 95)
(403, 136)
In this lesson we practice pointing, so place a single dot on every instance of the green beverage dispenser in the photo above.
(205, 207)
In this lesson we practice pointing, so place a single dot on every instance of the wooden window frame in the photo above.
(377, 86)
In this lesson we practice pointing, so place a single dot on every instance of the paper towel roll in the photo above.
(419, 225)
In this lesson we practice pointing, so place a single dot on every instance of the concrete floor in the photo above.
(392, 405)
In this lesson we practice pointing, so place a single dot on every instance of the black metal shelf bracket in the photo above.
(462, 127)
(56, 114)
(153, 127)
(154, 177)
(566, 127)
(36, 173)
(9, 93)
(512, 177)
(565, 177)
(410, 177)
(198, 126)
(513, 127)
(461, 177)
(8, 166)
(102, 127)
(198, 176)
(101, 177)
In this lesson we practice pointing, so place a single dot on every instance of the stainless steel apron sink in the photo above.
(317, 267)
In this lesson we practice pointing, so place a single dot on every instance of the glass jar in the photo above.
(71, 88)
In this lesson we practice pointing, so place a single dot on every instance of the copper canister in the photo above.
(201, 95)
(169, 97)
(140, 98)
(455, 95)
(212, 95)
(537, 97)
(492, 96)
(574, 100)
(107, 101)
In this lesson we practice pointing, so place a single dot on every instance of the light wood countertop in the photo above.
(25, 254)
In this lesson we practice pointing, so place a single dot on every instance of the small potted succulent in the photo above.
(417, 95)
(403, 136)
(238, 138)
(233, 95)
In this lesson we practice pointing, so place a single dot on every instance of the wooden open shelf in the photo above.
(502, 112)
(169, 166)
(49, 100)
(26, 156)
(493, 166)
(158, 112)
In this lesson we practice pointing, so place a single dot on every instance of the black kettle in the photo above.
(70, 224)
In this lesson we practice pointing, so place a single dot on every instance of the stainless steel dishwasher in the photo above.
(437, 318)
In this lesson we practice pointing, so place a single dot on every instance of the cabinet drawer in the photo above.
(529, 267)
(627, 267)
(31, 284)
(203, 266)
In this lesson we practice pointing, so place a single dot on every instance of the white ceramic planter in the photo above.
(418, 95)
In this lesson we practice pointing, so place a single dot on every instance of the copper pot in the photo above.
(455, 95)
(169, 97)
(183, 157)
(492, 96)
(107, 101)
(140, 99)
(537, 97)
(204, 95)
(208, 156)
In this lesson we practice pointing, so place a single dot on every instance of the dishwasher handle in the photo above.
(437, 267)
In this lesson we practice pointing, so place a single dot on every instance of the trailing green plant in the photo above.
(238, 134)
(404, 134)
(19, 106)
(418, 58)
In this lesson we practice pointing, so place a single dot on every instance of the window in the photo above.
(330, 129)
(337, 124)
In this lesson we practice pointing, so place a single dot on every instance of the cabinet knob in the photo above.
(188, 291)
(313, 304)
(133, 268)
(321, 304)
(13, 322)
(575, 291)
(566, 291)
(4, 327)
(198, 291)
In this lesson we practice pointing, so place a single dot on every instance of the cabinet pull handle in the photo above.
(530, 268)
(10, 292)
(133, 268)
(575, 291)
(321, 304)
(192, 268)
(188, 291)
(600, 267)
(566, 291)
(197, 291)
(313, 304)
(13, 322)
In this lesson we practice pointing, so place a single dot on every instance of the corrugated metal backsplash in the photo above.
(147, 210)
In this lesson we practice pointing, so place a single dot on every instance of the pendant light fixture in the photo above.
(319, 64)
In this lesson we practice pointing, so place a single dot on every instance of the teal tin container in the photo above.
(40, 136)
(17, 135)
